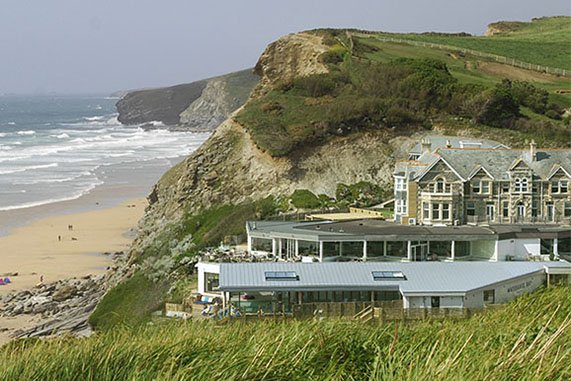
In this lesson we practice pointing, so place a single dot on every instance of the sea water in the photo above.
(57, 148)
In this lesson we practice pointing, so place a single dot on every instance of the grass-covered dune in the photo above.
(527, 340)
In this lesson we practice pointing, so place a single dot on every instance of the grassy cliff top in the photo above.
(377, 84)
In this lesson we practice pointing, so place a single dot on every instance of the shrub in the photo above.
(553, 114)
(315, 85)
(304, 199)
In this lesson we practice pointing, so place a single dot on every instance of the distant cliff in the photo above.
(203, 104)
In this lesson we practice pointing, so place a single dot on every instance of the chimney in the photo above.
(425, 145)
(532, 151)
(448, 144)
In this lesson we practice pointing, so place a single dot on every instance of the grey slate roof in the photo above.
(422, 277)
(498, 161)
(439, 141)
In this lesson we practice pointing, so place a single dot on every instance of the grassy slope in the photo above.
(543, 41)
(528, 340)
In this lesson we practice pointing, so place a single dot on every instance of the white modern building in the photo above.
(374, 240)
(264, 285)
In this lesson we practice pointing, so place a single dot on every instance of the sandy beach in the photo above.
(67, 246)
(64, 246)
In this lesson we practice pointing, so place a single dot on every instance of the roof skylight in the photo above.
(388, 275)
(281, 275)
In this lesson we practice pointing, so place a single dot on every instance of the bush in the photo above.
(552, 114)
(304, 199)
(316, 85)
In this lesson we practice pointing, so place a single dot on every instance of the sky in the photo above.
(100, 46)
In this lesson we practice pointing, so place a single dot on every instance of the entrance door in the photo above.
(520, 210)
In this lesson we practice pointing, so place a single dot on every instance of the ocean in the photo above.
(58, 148)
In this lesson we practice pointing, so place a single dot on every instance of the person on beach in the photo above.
(59, 237)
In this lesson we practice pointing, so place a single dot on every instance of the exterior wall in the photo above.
(428, 193)
(425, 301)
(507, 291)
(474, 299)
(206, 268)
(517, 248)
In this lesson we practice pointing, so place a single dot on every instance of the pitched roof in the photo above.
(439, 141)
(421, 277)
(499, 161)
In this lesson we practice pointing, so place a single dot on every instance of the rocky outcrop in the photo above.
(291, 56)
(198, 105)
(501, 27)
(158, 105)
(63, 306)
(220, 97)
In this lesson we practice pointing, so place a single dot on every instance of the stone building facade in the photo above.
(454, 186)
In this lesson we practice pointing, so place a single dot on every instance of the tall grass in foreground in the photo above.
(528, 340)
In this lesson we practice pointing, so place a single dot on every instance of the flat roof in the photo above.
(372, 230)
(345, 216)
(421, 277)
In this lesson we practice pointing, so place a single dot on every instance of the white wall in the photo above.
(424, 302)
(523, 247)
(512, 289)
(206, 268)
(474, 299)
(517, 248)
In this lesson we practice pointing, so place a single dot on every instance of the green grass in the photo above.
(528, 340)
(542, 42)
(129, 303)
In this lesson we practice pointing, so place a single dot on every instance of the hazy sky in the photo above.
(72, 46)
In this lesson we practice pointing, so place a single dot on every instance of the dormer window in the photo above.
(475, 187)
(524, 185)
(440, 186)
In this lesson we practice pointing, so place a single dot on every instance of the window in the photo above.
(400, 184)
(435, 301)
(475, 186)
(471, 209)
(388, 275)
(549, 211)
(567, 212)
(554, 187)
(281, 275)
(445, 211)
(447, 188)
(440, 186)
(534, 208)
(534, 187)
(517, 185)
(435, 211)
(505, 187)
(506, 212)
(564, 186)
(524, 185)
(211, 282)
(426, 211)
(490, 211)
(520, 210)
(485, 187)
(400, 207)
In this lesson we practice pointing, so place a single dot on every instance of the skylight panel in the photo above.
(388, 275)
(281, 275)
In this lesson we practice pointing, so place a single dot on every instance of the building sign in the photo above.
(519, 286)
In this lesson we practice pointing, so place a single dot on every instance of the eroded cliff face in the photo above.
(291, 56)
(198, 105)
(229, 168)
